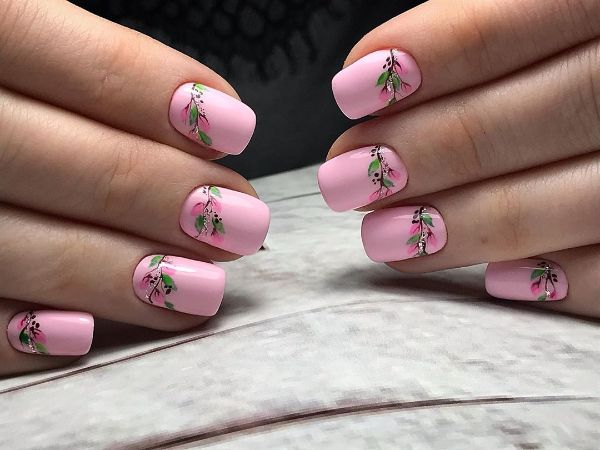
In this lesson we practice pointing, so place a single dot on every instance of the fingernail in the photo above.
(50, 332)
(179, 284)
(225, 219)
(361, 176)
(375, 81)
(396, 234)
(526, 279)
(212, 118)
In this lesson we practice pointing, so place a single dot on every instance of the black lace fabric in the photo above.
(280, 55)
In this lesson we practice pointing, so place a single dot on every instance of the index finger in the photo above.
(60, 53)
(443, 46)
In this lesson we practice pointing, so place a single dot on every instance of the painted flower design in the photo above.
(381, 174)
(393, 87)
(194, 115)
(158, 282)
(543, 281)
(208, 222)
(31, 335)
(421, 233)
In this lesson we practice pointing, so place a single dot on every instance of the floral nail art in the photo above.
(194, 115)
(421, 231)
(31, 335)
(208, 222)
(381, 174)
(544, 281)
(158, 282)
(393, 87)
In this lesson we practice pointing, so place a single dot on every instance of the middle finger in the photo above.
(57, 162)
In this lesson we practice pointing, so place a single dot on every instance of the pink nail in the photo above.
(212, 118)
(526, 279)
(375, 81)
(180, 284)
(50, 332)
(401, 233)
(361, 176)
(226, 219)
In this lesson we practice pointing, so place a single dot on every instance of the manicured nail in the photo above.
(212, 118)
(396, 234)
(375, 81)
(361, 176)
(226, 219)
(180, 284)
(50, 332)
(526, 279)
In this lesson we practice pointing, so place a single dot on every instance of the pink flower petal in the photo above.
(198, 208)
(216, 204)
(203, 123)
(384, 95)
(216, 237)
(144, 283)
(393, 174)
(168, 270)
(413, 228)
(535, 289)
(405, 87)
(158, 297)
(374, 196)
(40, 337)
(553, 294)
(432, 239)
(183, 115)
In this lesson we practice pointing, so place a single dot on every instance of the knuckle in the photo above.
(466, 142)
(117, 187)
(505, 221)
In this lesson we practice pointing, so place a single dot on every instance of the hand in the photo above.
(485, 148)
(108, 203)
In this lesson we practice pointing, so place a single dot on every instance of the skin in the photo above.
(502, 137)
(79, 166)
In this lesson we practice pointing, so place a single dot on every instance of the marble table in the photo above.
(316, 347)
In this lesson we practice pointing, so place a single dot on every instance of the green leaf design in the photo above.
(537, 273)
(168, 281)
(542, 297)
(155, 260)
(219, 227)
(41, 348)
(215, 191)
(193, 116)
(204, 137)
(374, 166)
(382, 78)
(388, 183)
(23, 337)
(414, 239)
(199, 87)
(199, 224)
(426, 218)
(170, 305)
(395, 81)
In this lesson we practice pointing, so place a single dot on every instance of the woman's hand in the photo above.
(486, 148)
(107, 197)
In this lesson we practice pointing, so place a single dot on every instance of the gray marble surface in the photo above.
(317, 347)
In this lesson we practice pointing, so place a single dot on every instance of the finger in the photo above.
(63, 334)
(60, 163)
(120, 77)
(503, 127)
(452, 45)
(69, 266)
(570, 275)
(529, 213)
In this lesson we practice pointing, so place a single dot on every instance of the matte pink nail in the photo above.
(361, 176)
(396, 234)
(48, 332)
(226, 219)
(212, 118)
(180, 284)
(375, 81)
(526, 279)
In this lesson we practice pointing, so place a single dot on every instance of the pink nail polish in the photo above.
(212, 118)
(360, 177)
(396, 234)
(526, 279)
(375, 81)
(49, 332)
(225, 219)
(179, 284)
